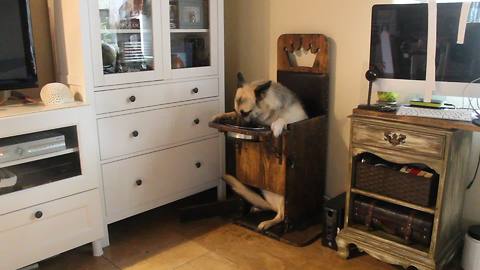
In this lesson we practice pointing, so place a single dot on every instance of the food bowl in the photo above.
(237, 129)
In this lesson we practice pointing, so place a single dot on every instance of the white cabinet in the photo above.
(55, 204)
(154, 70)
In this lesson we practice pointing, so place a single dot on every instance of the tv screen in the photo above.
(17, 58)
(399, 42)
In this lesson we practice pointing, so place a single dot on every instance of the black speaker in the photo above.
(334, 212)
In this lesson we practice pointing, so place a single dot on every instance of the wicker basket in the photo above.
(391, 183)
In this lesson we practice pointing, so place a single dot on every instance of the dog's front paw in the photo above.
(278, 126)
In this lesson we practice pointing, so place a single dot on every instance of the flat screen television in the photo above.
(399, 44)
(17, 56)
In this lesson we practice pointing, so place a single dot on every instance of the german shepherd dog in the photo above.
(267, 104)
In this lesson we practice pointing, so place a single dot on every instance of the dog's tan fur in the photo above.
(270, 104)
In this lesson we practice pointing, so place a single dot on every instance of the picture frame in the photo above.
(192, 14)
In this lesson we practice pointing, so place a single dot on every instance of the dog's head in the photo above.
(249, 96)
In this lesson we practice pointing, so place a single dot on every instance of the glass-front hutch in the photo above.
(151, 40)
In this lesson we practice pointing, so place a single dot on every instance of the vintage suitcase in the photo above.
(413, 226)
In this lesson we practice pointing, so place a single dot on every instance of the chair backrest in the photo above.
(311, 84)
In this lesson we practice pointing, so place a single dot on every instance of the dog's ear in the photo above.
(261, 90)
(240, 80)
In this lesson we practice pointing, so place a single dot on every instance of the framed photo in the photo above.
(192, 14)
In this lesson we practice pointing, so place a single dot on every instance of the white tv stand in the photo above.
(55, 205)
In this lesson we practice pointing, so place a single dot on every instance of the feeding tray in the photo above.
(237, 129)
(293, 164)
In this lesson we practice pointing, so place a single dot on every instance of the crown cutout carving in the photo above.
(301, 58)
(303, 53)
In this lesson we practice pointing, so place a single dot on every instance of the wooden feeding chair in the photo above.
(294, 164)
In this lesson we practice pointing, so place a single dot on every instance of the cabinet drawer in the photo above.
(64, 224)
(399, 139)
(138, 97)
(141, 183)
(127, 134)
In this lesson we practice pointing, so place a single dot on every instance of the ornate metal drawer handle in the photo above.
(395, 139)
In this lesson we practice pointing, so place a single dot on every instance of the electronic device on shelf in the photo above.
(7, 179)
(447, 114)
(31, 145)
(333, 211)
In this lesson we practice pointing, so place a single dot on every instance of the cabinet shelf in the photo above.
(176, 31)
(125, 31)
(40, 157)
(394, 201)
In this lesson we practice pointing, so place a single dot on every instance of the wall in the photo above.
(251, 33)
(247, 39)
(43, 45)
(258, 24)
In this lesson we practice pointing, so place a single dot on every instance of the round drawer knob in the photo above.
(198, 165)
(139, 182)
(132, 99)
(195, 90)
(135, 133)
(38, 214)
(196, 121)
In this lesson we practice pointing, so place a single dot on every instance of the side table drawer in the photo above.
(399, 139)
(45, 230)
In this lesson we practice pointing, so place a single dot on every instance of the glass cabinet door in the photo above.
(190, 34)
(128, 40)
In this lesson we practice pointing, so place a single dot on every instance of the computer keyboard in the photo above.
(448, 114)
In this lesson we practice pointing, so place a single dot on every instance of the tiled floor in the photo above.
(157, 240)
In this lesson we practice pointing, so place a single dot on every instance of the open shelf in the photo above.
(173, 31)
(390, 237)
(411, 185)
(393, 201)
(40, 157)
(44, 171)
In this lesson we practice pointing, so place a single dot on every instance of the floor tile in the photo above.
(169, 258)
(78, 259)
(210, 261)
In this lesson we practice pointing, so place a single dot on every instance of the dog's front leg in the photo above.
(229, 115)
(278, 126)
